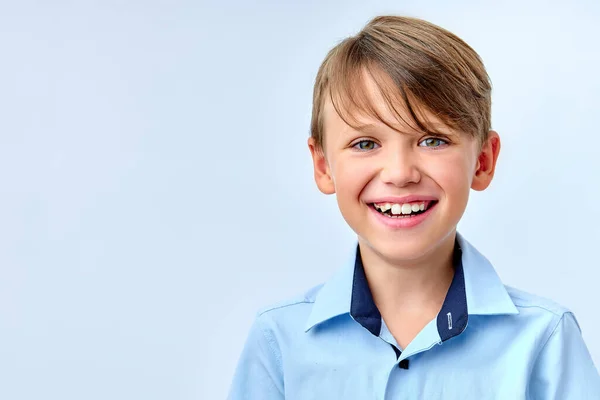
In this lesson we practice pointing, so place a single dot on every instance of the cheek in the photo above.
(453, 174)
(351, 176)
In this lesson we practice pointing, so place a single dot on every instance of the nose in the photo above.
(400, 168)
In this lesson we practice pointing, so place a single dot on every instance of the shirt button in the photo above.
(403, 364)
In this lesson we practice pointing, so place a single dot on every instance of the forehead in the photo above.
(368, 106)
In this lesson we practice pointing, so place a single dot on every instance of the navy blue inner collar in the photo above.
(451, 320)
(362, 306)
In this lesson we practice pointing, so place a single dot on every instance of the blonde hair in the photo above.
(414, 63)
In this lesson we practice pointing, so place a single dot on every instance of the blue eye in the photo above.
(432, 142)
(365, 145)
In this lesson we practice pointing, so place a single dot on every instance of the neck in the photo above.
(413, 287)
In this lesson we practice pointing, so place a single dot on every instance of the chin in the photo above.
(408, 246)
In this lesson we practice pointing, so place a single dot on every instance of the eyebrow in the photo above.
(368, 128)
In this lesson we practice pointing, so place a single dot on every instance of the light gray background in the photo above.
(156, 188)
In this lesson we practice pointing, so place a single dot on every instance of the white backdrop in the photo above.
(156, 188)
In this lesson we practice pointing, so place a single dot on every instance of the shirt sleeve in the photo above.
(258, 375)
(564, 369)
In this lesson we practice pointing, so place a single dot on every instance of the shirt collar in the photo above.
(486, 294)
(475, 290)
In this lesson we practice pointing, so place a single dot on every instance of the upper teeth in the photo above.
(398, 209)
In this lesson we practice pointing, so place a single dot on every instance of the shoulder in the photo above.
(524, 300)
(562, 364)
(540, 315)
(282, 319)
(290, 311)
(291, 303)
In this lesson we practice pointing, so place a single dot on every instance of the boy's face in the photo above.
(376, 168)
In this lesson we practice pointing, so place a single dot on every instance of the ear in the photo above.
(486, 162)
(322, 172)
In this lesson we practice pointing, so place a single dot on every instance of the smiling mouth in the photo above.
(406, 210)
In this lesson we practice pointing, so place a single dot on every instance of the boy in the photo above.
(401, 133)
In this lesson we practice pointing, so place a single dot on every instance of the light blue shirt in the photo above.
(489, 341)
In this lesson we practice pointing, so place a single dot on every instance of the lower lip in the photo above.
(402, 222)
